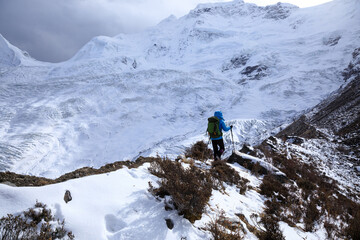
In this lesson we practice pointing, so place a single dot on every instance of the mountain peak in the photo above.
(240, 8)
(11, 55)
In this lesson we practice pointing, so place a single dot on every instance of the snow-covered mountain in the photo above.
(11, 56)
(151, 93)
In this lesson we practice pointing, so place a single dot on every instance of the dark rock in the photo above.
(255, 72)
(294, 140)
(67, 196)
(134, 64)
(169, 223)
(168, 208)
(236, 62)
(247, 149)
(124, 60)
(279, 11)
(331, 41)
(247, 163)
(206, 9)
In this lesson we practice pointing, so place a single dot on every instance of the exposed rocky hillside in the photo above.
(339, 113)
(329, 134)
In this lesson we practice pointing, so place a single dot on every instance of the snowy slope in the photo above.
(118, 205)
(151, 93)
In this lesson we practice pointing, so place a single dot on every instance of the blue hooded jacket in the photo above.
(222, 124)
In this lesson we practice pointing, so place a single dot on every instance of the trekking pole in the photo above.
(232, 138)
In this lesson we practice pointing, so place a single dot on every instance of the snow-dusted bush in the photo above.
(353, 230)
(272, 228)
(199, 151)
(222, 172)
(190, 188)
(222, 228)
(35, 223)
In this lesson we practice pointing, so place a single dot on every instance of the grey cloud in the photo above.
(54, 30)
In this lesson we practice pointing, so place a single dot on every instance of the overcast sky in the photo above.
(54, 30)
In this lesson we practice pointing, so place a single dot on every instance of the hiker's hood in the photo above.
(219, 115)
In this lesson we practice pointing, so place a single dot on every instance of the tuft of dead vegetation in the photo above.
(222, 228)
(353, 230)
(199, 151)
(35, 223)
(272, 229)
(190, 188)
(222, 172)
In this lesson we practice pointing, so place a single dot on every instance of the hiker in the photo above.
(215, 126)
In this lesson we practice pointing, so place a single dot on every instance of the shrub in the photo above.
(35, 223)
(222, 229)
(353, 230)
(256, 169)
(190, 188)
(271, 185)
(272, 229)
(224, 173)
(312, 214)
(199, 151)
(330, 228)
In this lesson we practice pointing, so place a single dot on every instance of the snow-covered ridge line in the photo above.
(11, 55)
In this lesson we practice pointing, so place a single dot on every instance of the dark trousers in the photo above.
(218, 146)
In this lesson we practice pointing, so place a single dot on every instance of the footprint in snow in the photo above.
(114, 224)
